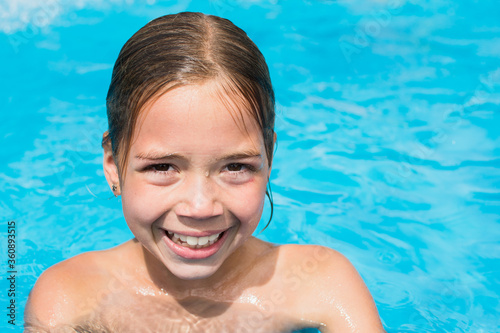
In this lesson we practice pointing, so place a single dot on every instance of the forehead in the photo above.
(196, 116)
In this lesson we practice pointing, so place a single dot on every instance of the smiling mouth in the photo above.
(194, 242)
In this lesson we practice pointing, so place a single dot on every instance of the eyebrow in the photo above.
(240, 156)
(157, 156)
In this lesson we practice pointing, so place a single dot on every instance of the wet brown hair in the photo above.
(182, 49)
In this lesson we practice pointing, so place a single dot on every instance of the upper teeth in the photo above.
(193, 241)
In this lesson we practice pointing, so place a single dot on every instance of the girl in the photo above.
(189, 148)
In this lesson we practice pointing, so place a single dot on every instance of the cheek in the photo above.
(135, 214)
(140, 207)
(249, 206)
(143, 205)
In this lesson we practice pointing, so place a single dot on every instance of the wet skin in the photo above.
(197, 167)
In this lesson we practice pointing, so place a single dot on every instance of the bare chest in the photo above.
(191, 315)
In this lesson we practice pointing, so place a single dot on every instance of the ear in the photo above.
(109, 165)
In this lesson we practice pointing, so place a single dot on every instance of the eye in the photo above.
(238, 173)
(161, 167)
(239, 168)
(235, 167)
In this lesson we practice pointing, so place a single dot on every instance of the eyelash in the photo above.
(247, 167)
(154, 167)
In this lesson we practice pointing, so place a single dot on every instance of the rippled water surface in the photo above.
(388, 141)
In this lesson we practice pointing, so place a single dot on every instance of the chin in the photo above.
(193, 271)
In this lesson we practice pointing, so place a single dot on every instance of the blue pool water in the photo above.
(388, 128)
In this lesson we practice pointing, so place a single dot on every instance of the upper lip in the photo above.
(197, 233)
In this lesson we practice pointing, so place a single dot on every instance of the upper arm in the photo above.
(336, 296)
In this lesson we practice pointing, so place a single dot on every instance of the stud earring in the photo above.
(113, 187)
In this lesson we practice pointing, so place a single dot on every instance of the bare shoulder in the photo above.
(66, 291)
(329, 291)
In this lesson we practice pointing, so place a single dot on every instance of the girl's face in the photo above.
(195, 182)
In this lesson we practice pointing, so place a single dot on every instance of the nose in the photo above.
(199, 199)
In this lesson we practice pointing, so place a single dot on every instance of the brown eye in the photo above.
(234, 167)
(161, 167)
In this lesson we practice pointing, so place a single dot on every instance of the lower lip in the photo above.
(189, 253)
